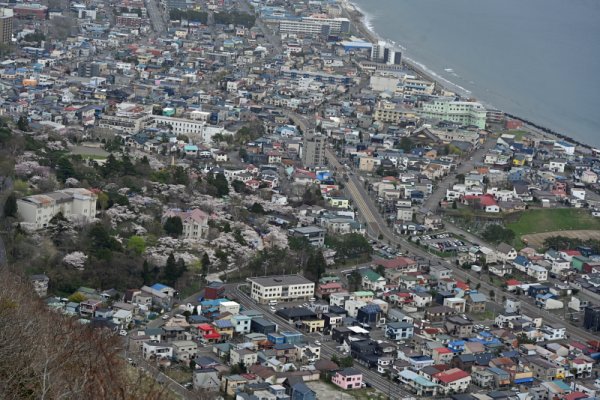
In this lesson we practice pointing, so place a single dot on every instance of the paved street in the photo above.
(370, 215)
(157, 16)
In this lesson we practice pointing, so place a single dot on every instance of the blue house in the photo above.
(300, 391)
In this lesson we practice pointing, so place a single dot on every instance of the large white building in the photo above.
(74, 204)
(315, 26)
(193, 128)
(195, 222)
(462, 112)
(281, 288)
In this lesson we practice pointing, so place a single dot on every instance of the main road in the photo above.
(377, 226)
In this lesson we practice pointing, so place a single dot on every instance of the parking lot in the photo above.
(444, 243)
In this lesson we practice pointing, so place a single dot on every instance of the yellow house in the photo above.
(519, 160)
(314, 325)
(224, 327)
(366, 164)
(339, 202)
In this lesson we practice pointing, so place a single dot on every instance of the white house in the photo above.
(73, 203)
(158, 350)
(538, 272)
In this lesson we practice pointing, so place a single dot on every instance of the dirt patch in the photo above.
(536, 240)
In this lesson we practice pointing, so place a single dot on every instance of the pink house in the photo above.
(348, 378)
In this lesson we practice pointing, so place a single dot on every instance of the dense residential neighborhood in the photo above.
(259, 200)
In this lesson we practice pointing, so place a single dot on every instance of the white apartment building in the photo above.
(315, 26)
(281, 288)
(195, 222)
(193, 128)
(463, 112)
(74, 204)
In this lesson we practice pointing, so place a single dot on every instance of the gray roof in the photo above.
(280, 280)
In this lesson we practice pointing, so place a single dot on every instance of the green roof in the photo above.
(370, 275)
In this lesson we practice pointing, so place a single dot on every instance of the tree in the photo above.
(346, 362)
(220, 184)
(146, 273)
(354, 280)
(238, 186)
(10, 206)
(77, 298)
(316, 265)
(64, 169)
(406, 144)
(137, 244)
(112, 167)
(127, 167)
(173, 226)
(257, 208)
(205, 264)
(495, 233)
(180, 176)
(170, 273)
(23, 123)
(380, 269)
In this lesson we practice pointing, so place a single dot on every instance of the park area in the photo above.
(537, 224)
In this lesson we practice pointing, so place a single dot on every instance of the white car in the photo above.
(123, 332)
(165, 317)
(317, 343)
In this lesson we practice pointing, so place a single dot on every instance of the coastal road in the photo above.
(328, 347)
(376, 226)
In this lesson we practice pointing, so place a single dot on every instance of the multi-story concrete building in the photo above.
(315, 26)
(281, 288)
(74, 203)
(462, 112)
(6, 25)
(314, 234)
(313, 152)
(591, 319)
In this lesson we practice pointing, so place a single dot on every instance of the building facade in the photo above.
(281, 288)
(74, 203)
(6, 25)
(463, 112)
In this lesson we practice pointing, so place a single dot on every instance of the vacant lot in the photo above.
(536, 240)
(329, 391)
(554, 219)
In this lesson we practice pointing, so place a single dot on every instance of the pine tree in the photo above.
(146, 274)
(205, 264)
(170, 271)
(10, 206)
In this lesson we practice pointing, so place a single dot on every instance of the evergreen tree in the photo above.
(112, 167)
(170, 274)
(64, 169)
(127, 167)
(173, 226)
(205, 264)
(23, 123)
(146, 273)
(10, 206)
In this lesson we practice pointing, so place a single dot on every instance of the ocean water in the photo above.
(538, 59)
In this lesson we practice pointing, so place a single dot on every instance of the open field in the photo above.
(90, 152)
(552, 220)
(330, 391)
(536, 240)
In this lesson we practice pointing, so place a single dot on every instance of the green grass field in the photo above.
(553, 219)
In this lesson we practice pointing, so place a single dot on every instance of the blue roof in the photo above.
(159, 286)
(223, 323)
(521, 260)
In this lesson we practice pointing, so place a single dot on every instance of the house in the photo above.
(438, 313)
(506, 253)
(475, 302)
(500, 270)
(206, 379)
(157, 350)
(243, 357)
(299, 391)
(314, 234)
(458, 326)
(230, 384)
(184, 350)
(195, 222)
(399, 330)
(372, 281)
(453, 380)
(348, 378)
(418, 384)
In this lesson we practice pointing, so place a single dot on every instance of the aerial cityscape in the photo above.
(266, 200)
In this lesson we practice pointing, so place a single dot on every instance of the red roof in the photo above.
(572, 253)
(488, 200)
(575, 396)
(513, 282)
(451, 375)
(396, 262)
(462, 285)
(443, 350)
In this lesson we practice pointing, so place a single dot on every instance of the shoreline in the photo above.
(358, 19)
